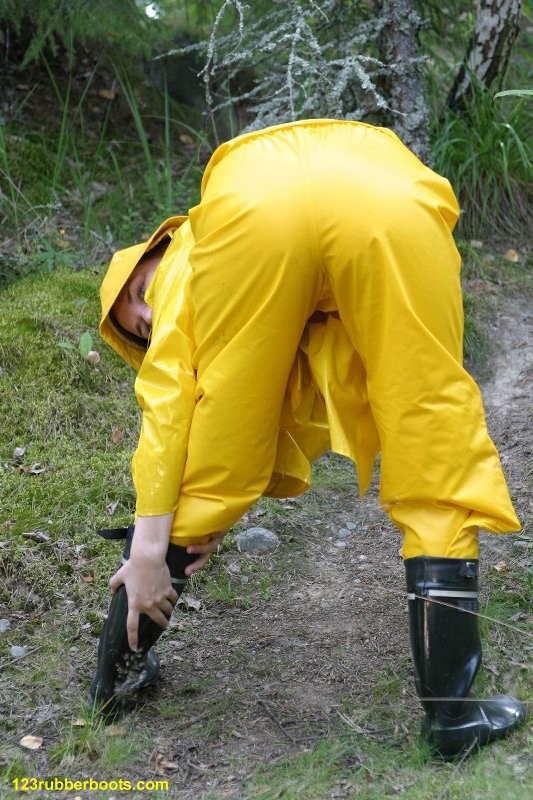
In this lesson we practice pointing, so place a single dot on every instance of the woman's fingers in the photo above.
(116, 581)
(132, 627)
(149, 592)
(208, 546)
(203, 550)
(196, 565)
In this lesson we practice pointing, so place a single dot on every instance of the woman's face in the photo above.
(130, 309)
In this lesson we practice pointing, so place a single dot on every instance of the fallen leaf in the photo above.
(37, 536)
(31, 742)
(35, 469)
(111, 507)
(87, 578)
(116, 435)
(476, 244)
(107, 94)
(501, 566)
(79, 722)
(186, 139)
(190, 602)
(22, 87)
(512, 256)
(164, 764)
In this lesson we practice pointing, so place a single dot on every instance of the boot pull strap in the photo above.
(113, 533)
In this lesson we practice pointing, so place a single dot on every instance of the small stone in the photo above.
(19, 453)
(5, 625)
(234, 568)
(257, 541)
(17, 652)
(351, 526)
(343, 533)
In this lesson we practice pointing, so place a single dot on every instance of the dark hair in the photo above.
(131, 338)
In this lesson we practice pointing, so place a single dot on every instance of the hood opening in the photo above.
(130, 347)
(130, 338)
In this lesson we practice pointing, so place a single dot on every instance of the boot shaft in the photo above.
(443, 605)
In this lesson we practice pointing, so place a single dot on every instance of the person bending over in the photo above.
(311, 301)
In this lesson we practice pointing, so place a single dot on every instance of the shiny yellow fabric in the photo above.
(315, 303)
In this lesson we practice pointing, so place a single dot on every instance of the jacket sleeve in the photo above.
(165, 389)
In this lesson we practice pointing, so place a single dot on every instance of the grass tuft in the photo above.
(487, 154)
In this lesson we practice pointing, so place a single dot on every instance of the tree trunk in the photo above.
(399, 46)
(489, 49)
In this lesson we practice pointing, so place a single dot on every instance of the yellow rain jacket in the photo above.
(311, 301)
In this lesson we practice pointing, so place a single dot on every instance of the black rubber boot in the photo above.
(121, 672)
(443, 599)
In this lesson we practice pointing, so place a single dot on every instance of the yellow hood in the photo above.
(122, 265)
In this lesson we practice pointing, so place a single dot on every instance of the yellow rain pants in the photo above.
(323, 309)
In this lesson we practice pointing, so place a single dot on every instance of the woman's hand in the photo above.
(149, 591)
(146, 576)
(204, 549)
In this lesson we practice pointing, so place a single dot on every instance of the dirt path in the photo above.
(260, 683)
(508, 400)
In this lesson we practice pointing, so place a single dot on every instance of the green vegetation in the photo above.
(486, 151)
(354, 765)
(68, 176)
(488, 155)
(94, 143)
